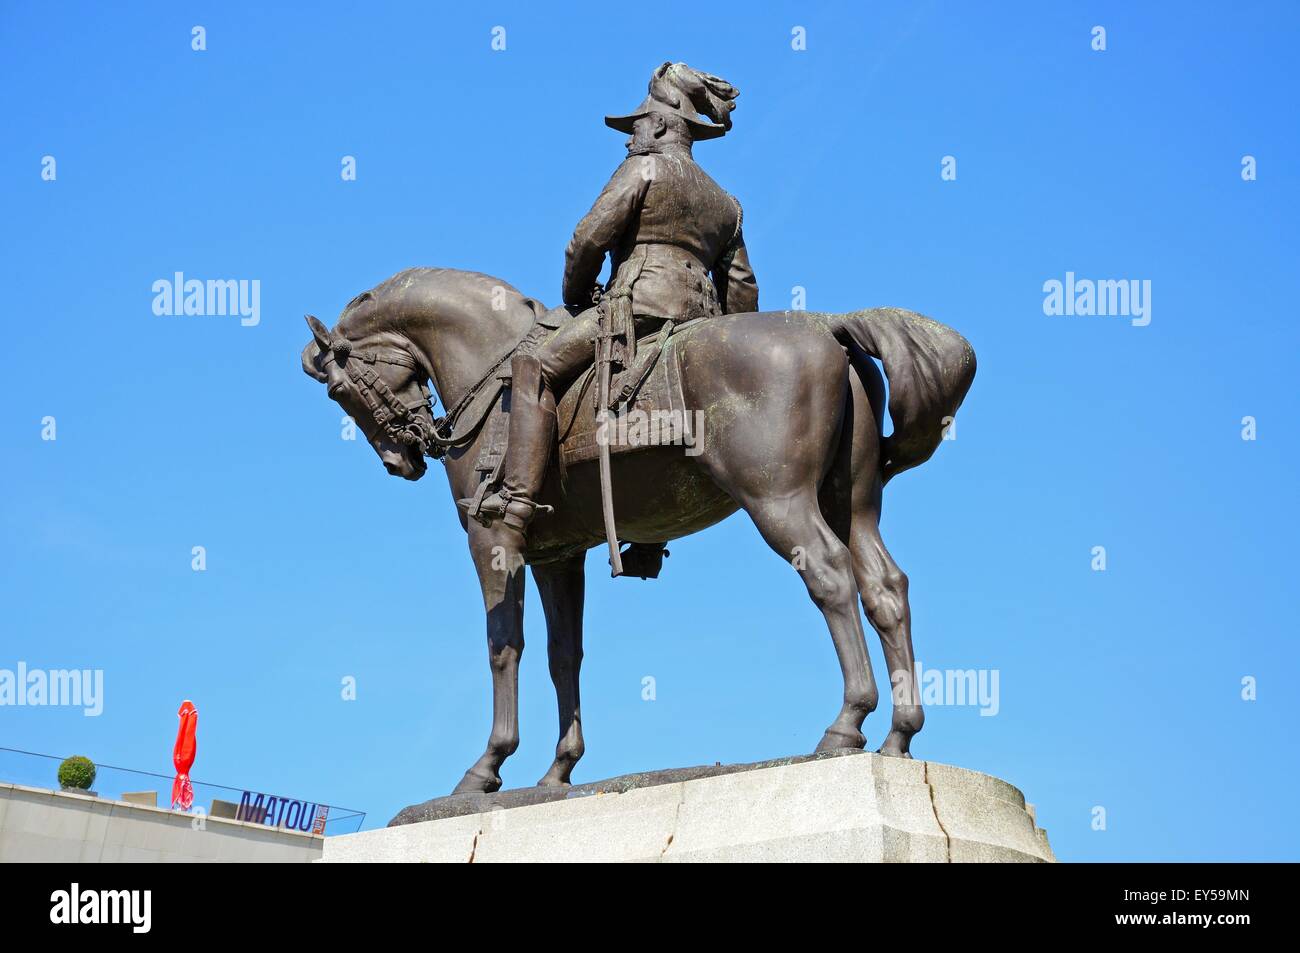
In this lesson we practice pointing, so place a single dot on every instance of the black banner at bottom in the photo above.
(203, 903)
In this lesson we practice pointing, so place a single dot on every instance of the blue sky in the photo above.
(1119, 689)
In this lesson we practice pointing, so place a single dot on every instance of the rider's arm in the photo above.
(737, 287)
(600, 229)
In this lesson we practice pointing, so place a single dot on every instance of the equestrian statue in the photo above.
(647, 409)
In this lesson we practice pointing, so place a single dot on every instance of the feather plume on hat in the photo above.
(678, 90)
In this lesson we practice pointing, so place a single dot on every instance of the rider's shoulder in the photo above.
(636, 162)
(635, 172)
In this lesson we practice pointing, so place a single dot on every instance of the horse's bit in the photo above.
(402, 422)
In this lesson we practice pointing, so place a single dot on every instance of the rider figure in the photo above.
(675, 240)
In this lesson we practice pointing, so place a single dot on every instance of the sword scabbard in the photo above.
(603, 344)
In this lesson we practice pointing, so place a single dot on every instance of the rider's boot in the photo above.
(528, 450)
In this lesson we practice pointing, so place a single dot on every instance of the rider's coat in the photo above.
(675, 239)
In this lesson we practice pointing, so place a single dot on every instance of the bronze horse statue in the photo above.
(792, 412)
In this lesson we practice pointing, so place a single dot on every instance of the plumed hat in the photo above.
(677, 90)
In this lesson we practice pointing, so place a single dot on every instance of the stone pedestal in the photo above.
(844, 806)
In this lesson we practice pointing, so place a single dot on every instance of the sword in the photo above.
(604, 356)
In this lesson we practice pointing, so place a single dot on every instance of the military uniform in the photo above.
(677, 247)
(677, 252)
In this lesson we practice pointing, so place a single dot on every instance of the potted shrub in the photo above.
(77, 774)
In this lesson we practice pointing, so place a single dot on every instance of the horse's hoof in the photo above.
(896, 746)
(552, 782)
(837, 739)
(475, 783)
(894, 753)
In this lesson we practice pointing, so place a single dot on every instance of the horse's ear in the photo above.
(309, 366)
(319, 332)
(320, 344)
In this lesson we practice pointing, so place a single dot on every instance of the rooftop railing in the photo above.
(33, 769)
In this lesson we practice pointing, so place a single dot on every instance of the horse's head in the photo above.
(382, 387)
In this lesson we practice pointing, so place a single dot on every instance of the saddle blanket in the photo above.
(654, 415)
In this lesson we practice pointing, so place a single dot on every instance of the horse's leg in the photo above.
(852, 497)
(562, 587)
(884, 596)
(795, 528)
(498, 558)
(770, 447)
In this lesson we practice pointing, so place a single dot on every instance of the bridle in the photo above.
(404, 423)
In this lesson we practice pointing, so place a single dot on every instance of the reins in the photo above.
(448, 421)
(402, 422)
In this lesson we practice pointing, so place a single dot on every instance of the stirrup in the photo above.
(514, 509)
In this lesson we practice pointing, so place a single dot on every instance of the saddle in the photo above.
(650, 412)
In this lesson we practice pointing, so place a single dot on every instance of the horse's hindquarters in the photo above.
(769, 391)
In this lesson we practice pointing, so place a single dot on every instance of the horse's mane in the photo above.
(392, 300)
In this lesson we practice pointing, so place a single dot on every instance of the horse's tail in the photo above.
(929, 367)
